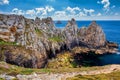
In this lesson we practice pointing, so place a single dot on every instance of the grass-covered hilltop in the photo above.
(27, 45)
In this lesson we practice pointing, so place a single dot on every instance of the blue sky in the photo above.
(63, 9)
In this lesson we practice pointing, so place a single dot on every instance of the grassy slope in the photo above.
(110, 76)
(12, 69)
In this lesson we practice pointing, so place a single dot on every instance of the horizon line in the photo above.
(65, 19)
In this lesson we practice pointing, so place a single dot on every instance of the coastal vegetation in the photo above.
(55, 39)
(38, 32)
(89, 73)
(110, 76)
(14, 70)
(7, 43)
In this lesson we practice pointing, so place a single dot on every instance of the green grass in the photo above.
(15, 79)
(26, 71)
(55, 39)
(62, 60)
(110, 76)
(7, 43)
(38, 32)
(2, 79)
(14, 70)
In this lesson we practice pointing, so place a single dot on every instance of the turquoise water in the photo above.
(112, 31)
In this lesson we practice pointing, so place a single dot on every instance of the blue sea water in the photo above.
(112, 32)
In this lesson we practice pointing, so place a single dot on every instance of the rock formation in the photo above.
(93, 36)
(42, 40)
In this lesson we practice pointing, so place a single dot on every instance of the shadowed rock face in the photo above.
(44, 40)
(23, 57)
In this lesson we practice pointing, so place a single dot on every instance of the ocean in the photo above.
(112, 32)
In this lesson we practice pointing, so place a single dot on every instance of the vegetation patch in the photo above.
(64, 60)
(110, 76)
(27, 71)
(7, 43)
(14, 70)
(56, 39)
(38, 32)
(2, 79)
(74, 60)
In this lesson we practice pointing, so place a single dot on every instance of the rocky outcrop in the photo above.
(70, 33)
(23, 57)
(93, 36)
(44, 40)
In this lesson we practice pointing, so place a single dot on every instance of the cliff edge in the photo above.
(30, 43)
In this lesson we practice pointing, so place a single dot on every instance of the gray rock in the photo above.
(42, 40)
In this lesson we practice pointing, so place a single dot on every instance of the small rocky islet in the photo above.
(38, 43)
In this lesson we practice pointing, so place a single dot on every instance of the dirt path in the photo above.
(63, 76)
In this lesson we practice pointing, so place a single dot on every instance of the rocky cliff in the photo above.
(93, 36)
(37, 40)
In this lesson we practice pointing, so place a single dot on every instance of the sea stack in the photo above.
(93, 36)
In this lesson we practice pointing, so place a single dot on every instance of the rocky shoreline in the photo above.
(30, 43)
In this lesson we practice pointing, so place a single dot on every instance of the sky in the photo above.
(63, 9)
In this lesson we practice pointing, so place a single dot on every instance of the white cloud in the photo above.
(65, 14)
(73, 10)
(88, 11)
(5, 1)
(106, 4)
(49, 8)
(40, 11)
(99, 14)
(2, 2)
(60, 13)
(44, 10)
(17, 11)
(116, 14)
(81, 14)
(30, 12)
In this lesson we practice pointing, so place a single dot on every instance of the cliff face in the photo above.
(43, 40)
(93, 36)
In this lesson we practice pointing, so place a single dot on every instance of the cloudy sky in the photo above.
(63, 9)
